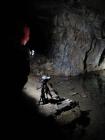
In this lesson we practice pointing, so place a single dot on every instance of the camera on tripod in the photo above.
(45, 91)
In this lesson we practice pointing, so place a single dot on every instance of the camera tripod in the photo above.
(45, 92)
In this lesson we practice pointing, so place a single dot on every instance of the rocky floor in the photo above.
(86, 122)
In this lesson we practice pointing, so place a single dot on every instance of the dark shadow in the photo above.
(76, 129)
(103, 30)
(102, 58)
(21, 117)
(84, 119)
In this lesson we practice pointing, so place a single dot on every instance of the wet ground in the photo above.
(85, 123)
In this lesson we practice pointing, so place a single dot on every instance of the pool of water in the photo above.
(89, 90)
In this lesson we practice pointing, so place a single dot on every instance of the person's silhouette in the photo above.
(21, 56)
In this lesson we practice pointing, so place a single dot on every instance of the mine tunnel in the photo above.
(68, 37)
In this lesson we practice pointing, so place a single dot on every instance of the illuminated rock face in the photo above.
(77, 42)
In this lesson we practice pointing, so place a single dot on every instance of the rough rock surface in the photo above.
(77, 41)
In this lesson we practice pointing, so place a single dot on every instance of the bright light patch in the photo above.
(32, 52)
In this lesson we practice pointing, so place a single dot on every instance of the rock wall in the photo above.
(78, 44)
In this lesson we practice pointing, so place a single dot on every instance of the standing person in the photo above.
(21, 55)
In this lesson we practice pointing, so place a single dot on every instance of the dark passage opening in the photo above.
(40, 35)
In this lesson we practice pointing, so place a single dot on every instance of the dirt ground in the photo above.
(86, 122)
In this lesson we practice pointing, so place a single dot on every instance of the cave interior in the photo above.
(22, 110)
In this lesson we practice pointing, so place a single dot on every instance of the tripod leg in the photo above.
(40, 100)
